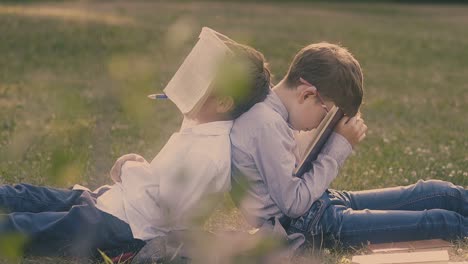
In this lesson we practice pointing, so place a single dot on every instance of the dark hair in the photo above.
(333, 70)
(245, 77)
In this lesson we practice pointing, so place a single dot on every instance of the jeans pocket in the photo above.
(308, 223)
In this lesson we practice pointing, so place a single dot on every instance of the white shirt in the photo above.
(155, 198)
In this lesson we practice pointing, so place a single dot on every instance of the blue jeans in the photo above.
(425, 210)
(59, 221)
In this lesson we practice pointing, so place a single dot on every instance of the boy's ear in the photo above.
(224, 104)
(305, 91)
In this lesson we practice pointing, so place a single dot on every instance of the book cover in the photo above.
(318, 140)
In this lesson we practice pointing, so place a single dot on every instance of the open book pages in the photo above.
(190, 85)
(315, 139)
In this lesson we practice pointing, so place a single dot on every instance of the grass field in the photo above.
(74, 79)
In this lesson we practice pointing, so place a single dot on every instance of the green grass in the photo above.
(74, 79)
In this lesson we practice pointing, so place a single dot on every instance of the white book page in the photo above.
(192, 81)
(313, 138)
(303, 139)
(305, 143)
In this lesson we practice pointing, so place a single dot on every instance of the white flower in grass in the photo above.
(345, 260)
(408, 151)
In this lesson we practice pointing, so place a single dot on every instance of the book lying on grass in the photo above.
(316, 141)
(190, 85)
(410, 246)
(429, 257)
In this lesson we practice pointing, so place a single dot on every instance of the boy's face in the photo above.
(307, 110)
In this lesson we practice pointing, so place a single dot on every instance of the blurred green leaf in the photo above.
(12, 246)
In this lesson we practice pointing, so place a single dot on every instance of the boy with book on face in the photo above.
(264, 157)
(151, 199)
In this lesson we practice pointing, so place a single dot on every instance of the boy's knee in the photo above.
(441, 187)
(440, 218)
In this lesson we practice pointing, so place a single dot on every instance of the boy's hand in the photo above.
(117, 168)
(353, 129)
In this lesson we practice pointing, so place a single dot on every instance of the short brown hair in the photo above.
(256, 84)
(333, 70)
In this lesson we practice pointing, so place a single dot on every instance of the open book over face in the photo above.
(191, 84)
(313, 144)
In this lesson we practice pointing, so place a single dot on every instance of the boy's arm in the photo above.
(275, 160)
(116, 170)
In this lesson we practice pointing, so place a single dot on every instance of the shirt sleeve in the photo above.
(275, 160)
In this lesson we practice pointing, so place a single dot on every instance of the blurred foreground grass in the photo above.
(74, 79)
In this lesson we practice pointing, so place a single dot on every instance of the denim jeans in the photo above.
(425, 210)
(59, 221)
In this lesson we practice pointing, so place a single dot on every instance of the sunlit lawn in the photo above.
(74, 80)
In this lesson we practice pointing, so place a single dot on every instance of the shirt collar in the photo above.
(216, 128)
(275, 103)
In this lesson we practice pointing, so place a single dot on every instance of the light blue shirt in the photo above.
(263, 151)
